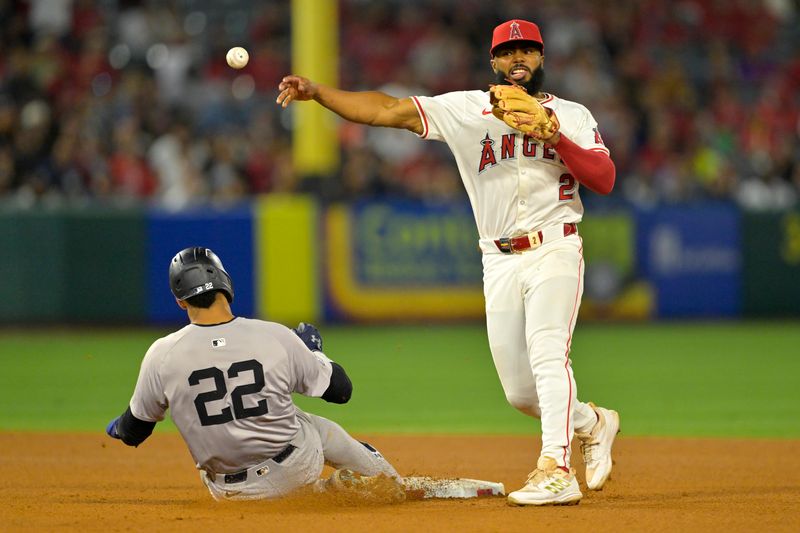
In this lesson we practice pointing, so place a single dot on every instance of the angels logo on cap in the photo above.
(516, 30)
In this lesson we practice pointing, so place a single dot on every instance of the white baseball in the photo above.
(237, 57)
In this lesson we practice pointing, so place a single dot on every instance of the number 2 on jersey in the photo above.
(221, 388)
(566, 187)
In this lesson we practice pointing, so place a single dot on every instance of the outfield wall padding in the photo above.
(77, 265)
(293, 258)
(771, 264)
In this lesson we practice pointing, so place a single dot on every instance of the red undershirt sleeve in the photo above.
(591, 168)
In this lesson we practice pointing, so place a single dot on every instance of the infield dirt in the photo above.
(87, 482)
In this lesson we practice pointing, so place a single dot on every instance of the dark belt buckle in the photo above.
(505, 246)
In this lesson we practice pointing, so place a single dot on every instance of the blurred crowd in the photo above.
(130, 101)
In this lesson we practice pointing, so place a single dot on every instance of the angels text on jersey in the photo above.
(493, 152)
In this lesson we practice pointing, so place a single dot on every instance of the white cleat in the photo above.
(596, 447)
(548, 485)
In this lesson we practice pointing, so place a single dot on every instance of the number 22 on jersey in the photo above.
(239, 410)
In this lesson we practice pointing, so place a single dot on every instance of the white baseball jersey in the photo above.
(514, 183)
(229, 389)
(517, 185)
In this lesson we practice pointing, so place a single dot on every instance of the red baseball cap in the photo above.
(516, 30)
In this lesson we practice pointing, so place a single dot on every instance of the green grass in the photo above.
(706, 379)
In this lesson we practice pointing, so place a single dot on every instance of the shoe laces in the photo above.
(539, 475)
(593, 437)
(590, 443)
(586, 449)
(536, 477)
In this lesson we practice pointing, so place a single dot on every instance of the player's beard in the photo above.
(533, 86)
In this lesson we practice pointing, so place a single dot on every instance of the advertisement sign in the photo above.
(229, 233)
(613, 289)
(402, 260)
(692, 256)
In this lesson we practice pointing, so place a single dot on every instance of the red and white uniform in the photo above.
(517, 185)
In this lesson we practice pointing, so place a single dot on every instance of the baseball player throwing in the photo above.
(228, 382)
(523, 155)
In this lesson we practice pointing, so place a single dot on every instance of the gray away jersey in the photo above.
(229, 389)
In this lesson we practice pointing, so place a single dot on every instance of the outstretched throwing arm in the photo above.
(373, 108)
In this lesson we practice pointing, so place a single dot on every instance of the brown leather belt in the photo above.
(529, 241)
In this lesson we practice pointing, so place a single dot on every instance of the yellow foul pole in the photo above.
(315, 54)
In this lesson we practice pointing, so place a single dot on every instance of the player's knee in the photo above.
(525, 405)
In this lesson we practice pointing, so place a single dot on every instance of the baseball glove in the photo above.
(513, 105)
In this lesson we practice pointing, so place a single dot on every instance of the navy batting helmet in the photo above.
(197, 270)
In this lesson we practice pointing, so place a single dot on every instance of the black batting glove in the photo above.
(310, 336)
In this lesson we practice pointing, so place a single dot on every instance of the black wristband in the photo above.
(341, 388)
(133, 431)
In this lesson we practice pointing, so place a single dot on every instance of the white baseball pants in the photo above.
(532, 302)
